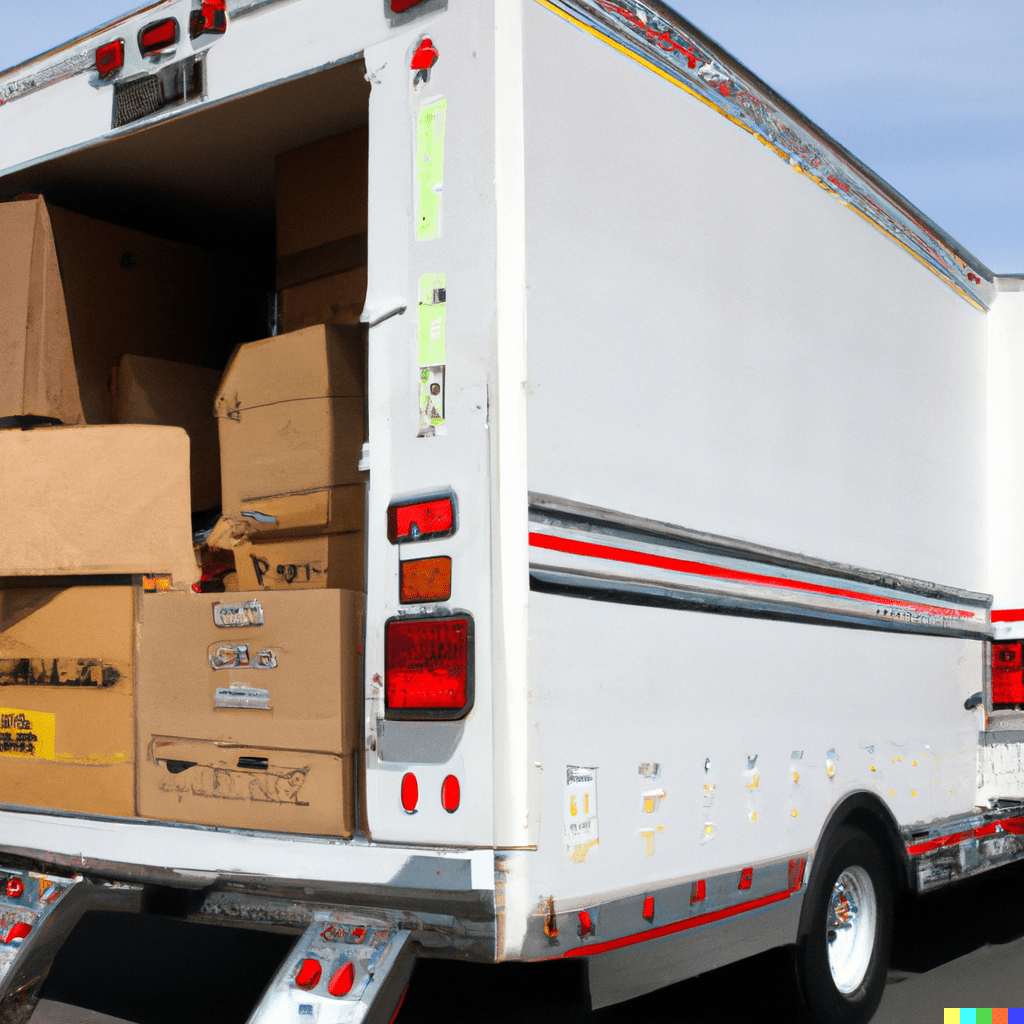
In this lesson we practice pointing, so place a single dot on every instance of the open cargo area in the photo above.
(183, 391)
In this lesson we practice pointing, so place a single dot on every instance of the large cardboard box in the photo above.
(291, 415)
(302, 563)
(321, 192)
(37, 365)
(337, 299)
(96, 500)
(249, 709)
(158, 391)
(66, 698)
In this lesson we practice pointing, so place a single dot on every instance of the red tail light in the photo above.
(399, 6)
(1007, 673)
(428, 668)
(158, 36)
(422, 518)
(451, 794)
(410, 792)
(110, 58)
(341, 983)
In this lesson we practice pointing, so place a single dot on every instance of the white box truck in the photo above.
(694, 596)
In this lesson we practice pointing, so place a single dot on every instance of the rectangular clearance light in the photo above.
(425, 518)
(399, 6)
(425, 579)
(428, 668)
(158, 36)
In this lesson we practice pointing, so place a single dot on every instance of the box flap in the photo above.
(37, 365)
(316, 362)
(108, 499)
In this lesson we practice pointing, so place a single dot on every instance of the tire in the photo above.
(842, 955)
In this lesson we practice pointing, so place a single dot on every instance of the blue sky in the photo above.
(926, 92)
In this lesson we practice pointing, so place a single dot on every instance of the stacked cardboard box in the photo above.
(321, 231)
(66, 689)
(291, 413)
(248, 710)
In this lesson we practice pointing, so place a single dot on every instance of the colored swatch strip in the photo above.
(975, 1015)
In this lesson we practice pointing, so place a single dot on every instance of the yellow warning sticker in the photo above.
(27, 734)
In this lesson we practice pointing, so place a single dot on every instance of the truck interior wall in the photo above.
(779, 372)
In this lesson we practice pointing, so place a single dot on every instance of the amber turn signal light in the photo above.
(425, 579)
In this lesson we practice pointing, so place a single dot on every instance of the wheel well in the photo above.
(866, 812)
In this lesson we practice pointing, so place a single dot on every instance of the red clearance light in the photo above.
(451, 794)
(427, 668)
(309, 973)
(410, 793)
(341, 983)
(418, 520)
(425, 579)
(400, 6)
(15, 888)
(110, 58)
(158, 36)
(649, 908)
(746, 877)
(586, 924)
(698, 891)
(1007, 673)
(211, 17)
(19, 931)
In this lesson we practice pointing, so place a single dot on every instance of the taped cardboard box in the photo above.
(90, 500)
(333, 510)
(252, 676)
(302, 563)
(158, 391)
(66, 698)
(291, 415)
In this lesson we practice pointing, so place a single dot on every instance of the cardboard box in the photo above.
(207, 783)
(321, 192)
(280, 680)
(291, 415)
(337, 299)
(127, 291)
(37, 366)
(302, 563)
(333, 510)
(66, 698)
(305, 655)
(158, 391)
(89, 500)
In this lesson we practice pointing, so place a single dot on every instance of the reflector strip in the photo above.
(1014, 826)
(679, 926)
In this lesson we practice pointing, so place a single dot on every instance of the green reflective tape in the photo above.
(429, 169)
(432, 320)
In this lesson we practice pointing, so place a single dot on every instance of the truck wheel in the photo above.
(842, 955)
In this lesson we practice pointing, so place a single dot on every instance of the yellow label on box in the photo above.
(27, 734)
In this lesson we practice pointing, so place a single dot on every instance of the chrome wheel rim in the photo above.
(850, 928)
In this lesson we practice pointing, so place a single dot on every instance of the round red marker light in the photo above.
(309, 973)
(341, 983)
(410, 793)
(451, 794)
(15, 887)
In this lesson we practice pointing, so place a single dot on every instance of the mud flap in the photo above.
(347, 968)
(37, 913)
